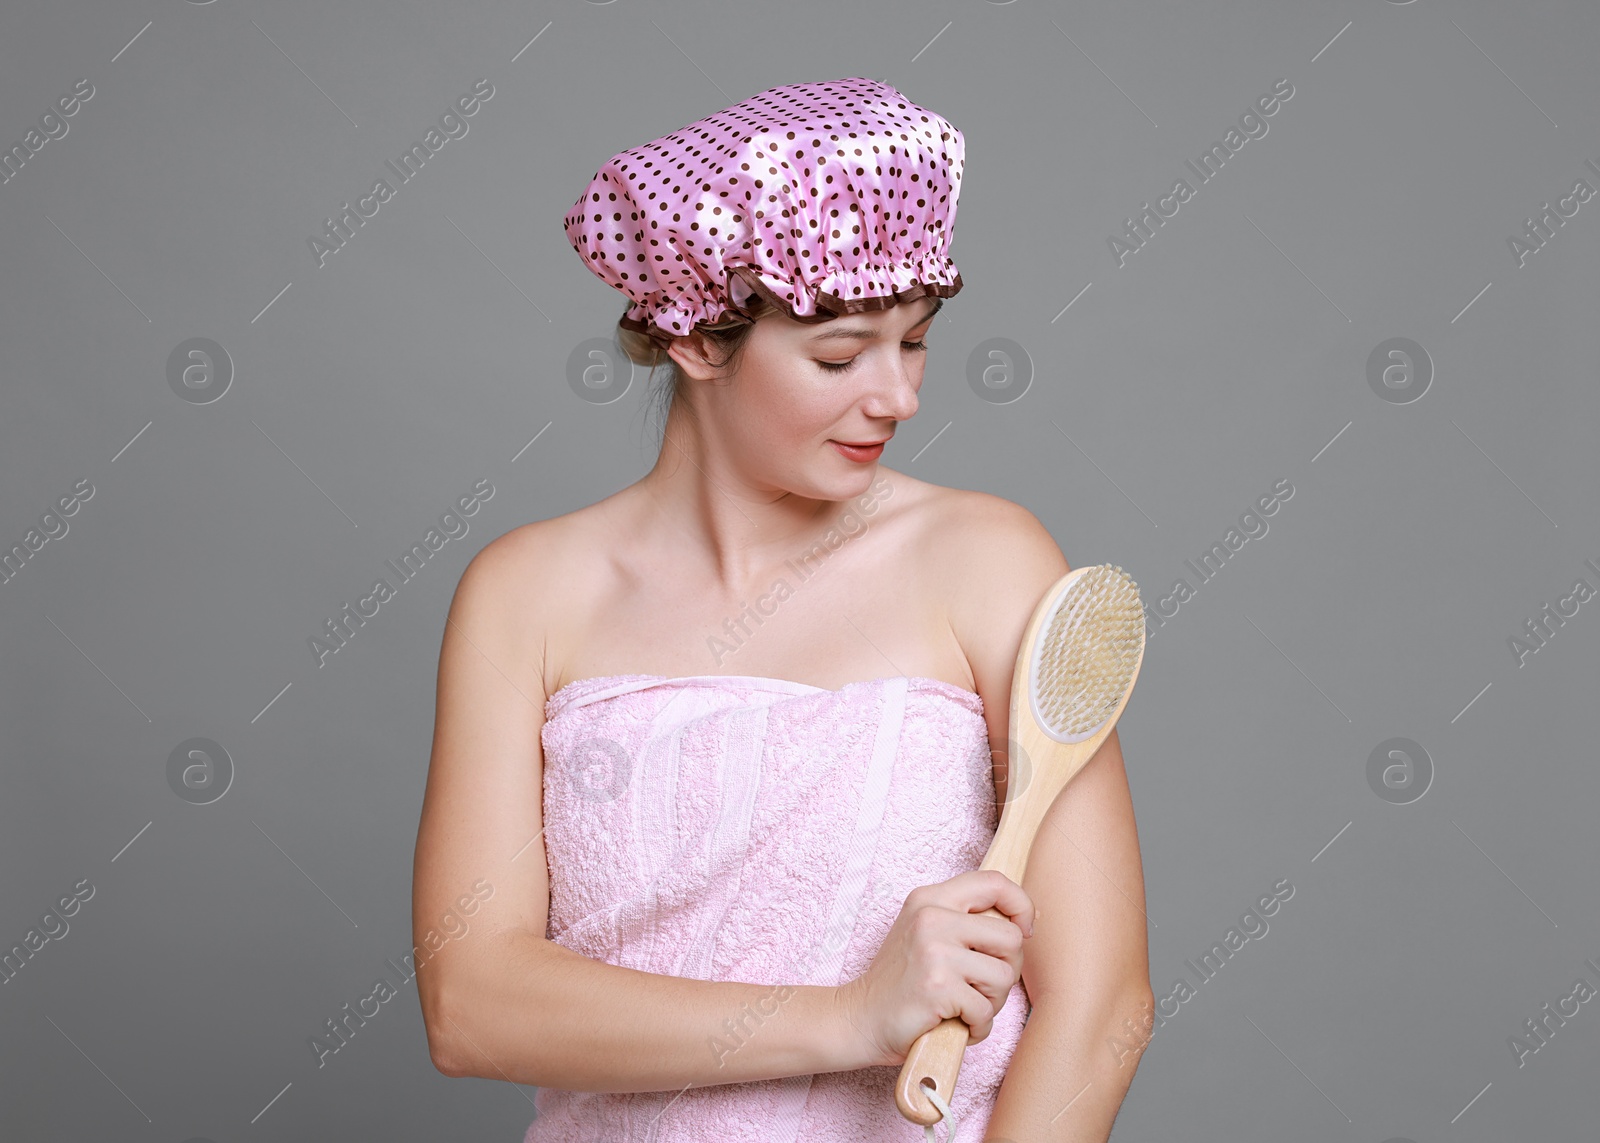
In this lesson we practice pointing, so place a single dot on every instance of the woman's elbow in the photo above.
(1136, 1007)
(441, 1023)
(442, 1065)
(1133, 1024)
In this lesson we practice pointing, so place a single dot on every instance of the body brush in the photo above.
(1076, 667)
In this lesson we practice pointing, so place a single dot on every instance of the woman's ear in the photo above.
(689, 352)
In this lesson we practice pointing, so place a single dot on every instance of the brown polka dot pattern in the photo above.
(826, 198)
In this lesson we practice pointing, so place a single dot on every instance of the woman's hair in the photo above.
(727, 334)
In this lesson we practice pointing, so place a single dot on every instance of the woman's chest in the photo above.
(821, 617)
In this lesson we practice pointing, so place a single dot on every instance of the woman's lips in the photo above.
(858, 454)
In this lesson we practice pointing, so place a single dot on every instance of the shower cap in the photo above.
(824, 198)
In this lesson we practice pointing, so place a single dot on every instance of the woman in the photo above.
(727, 746)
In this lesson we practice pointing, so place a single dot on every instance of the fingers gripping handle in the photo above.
(934, 1059)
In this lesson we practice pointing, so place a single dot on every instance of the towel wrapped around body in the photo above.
(739, 828)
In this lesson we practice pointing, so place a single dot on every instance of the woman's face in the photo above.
(797, 388)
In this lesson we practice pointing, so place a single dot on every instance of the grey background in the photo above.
(1227, 354)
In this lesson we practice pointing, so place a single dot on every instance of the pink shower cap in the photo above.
(824, 198)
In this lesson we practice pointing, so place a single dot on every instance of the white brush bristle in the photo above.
(1087, 651)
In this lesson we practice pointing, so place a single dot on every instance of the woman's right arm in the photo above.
(501, 1001)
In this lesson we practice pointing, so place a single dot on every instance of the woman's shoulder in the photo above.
(533, 564)
(544, 545)
(968, 530)
(991, 560)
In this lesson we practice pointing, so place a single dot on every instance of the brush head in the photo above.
(1087, 653)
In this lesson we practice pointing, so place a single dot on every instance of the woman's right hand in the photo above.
(942, 957)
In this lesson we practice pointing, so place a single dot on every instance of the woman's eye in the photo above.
(842, 366)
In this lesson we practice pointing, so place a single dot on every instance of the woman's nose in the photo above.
(896, 394)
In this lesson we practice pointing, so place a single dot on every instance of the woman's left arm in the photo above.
(1086, 968)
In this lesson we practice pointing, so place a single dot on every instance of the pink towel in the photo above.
(730, 827)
